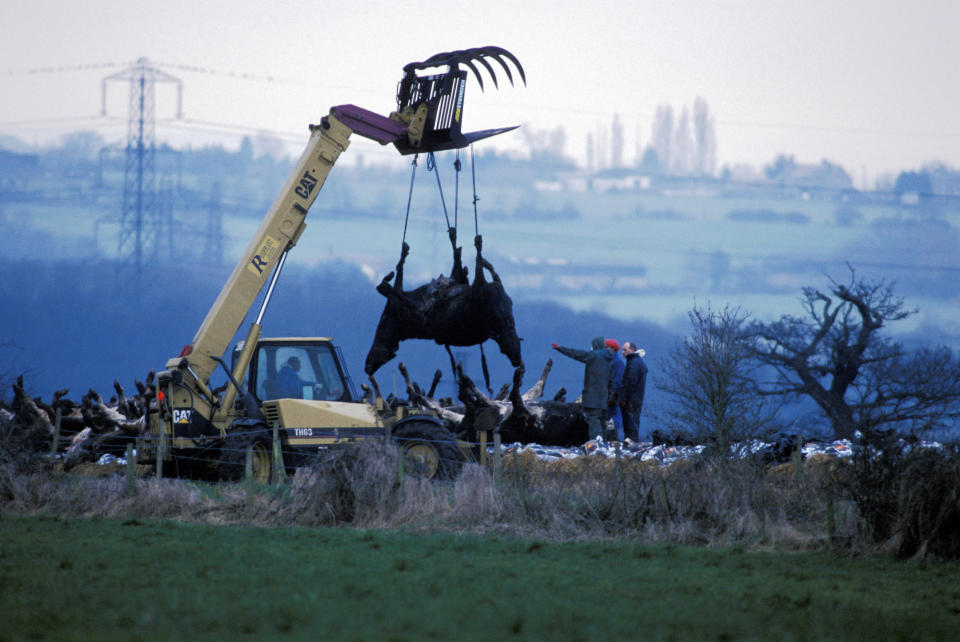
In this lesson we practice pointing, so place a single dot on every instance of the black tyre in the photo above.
(428, 450)
(233, 455)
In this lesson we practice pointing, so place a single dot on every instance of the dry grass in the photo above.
(704, 501)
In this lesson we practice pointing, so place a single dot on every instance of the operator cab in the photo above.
(296, 368)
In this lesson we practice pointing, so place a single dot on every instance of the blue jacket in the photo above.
(615, 385)
(634, 384)
(289, 383)
(597, 373)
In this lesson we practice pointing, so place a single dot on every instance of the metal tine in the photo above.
(476, 72)
(467, 56)
(504, 65)
(496, 52)
(490, 69)
(479, 54)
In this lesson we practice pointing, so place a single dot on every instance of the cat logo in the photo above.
(182, 415)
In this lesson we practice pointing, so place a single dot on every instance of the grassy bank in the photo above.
(154, 579)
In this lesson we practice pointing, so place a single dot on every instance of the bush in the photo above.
(908, 497)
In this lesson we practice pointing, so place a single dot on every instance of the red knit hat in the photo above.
(612, 343)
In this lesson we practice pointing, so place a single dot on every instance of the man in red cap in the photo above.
(613, 400)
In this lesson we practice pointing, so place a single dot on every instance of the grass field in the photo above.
(86, 579)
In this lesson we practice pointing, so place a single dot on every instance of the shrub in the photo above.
(908, 497)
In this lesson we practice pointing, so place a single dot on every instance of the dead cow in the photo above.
(449, 310)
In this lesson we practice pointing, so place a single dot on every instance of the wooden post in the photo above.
(248, 464)
(483, 447)
(400, 456)
(619, 464)
(131, 471)
(55, 446)
(797, 458)
(831, 515)
(496, 457)
(160, 445)
(277, 470)
(663, 496)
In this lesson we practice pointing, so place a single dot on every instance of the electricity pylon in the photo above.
(141, 217)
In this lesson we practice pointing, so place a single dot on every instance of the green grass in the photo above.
(82, 579)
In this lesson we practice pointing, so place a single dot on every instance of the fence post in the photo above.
(160, 446)
(619, 463)
(797, 458)
(831, 515)
(279, 474)
(56, 433)
(663, 496)
(248, 464)
(496, 456)
(131, 471)
(400, 456)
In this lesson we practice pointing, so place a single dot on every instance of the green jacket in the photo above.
(597, 373)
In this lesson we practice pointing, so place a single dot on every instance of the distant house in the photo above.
(808, 179)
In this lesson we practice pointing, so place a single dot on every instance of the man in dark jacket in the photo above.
(632, 387)
(597, 380)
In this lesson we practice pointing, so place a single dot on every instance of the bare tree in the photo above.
(545, 143)
(661, 135)
(616, 142)
(681, 159)
(704, 139)
(861, 379)
(710, 378)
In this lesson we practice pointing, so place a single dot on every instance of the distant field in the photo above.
(82, 579)
(668, 250)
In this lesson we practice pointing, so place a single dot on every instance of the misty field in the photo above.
(81, 579)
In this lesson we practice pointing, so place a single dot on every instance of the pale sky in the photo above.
(869, 85)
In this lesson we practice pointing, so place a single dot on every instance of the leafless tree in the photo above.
(661, 135)
(861, 379)
(710, 378)
(616, 142)
(545, 143)
(682, 151)
(704, 139)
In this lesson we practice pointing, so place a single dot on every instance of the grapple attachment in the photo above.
(432, 105)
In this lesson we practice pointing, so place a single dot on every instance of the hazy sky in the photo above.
(868, 85)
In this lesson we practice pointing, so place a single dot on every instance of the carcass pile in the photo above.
(548, 430)
(88, 429)
(94, 427)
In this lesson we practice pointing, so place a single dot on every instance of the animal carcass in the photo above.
(448, 310)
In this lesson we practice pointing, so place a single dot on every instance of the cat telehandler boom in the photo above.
(285, 398)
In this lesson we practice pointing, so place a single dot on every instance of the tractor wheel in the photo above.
(233, 456)
(428, 450)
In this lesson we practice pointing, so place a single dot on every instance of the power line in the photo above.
(56, 69)
(242, 75)
(41, 122)
(552, 108)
